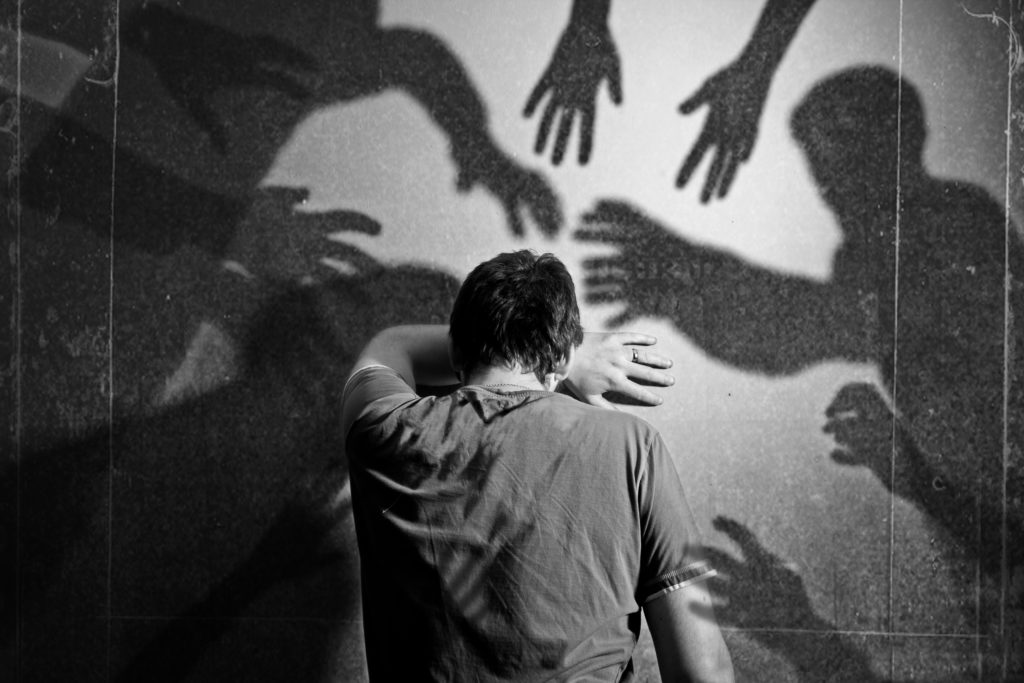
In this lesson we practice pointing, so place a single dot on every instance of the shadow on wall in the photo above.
(930, 291)
(220, 541)
(220, 501)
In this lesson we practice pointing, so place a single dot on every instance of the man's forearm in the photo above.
(419, 353)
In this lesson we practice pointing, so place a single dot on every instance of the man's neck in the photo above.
(504, 377)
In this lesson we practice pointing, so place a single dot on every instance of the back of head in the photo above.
(517, 307)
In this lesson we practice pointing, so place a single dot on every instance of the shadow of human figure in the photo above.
(229, 505)
(926, 284)
(765, 597)
(584, 58)
(195, 59)
(735, 97)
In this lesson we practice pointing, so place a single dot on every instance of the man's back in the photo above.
(508, 533)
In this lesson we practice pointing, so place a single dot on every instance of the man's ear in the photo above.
(455, 359)
(560, 371)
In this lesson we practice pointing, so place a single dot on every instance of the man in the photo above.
(507, 531)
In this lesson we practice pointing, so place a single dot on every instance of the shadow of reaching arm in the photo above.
(195, 60)
(748, 316)
(964, 502)
(584, 58)
(425, 67)
(71, 173)
(735, 97)
(281, 243)
(766, 598)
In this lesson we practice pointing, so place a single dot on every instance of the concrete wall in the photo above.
(215, 205)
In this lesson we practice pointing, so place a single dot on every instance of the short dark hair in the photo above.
(517, 307)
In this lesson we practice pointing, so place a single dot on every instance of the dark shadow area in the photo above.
(212, 512)
(926, 284)
(223, 499)
(759, 593)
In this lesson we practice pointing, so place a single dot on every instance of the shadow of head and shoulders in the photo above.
(863, 131)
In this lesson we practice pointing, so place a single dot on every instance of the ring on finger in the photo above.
(636, 355)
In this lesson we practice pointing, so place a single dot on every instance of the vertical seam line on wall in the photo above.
(110, 341)
(16, 314)
(1007, 341)
(890, 627)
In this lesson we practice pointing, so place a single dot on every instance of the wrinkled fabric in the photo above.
(508, 536)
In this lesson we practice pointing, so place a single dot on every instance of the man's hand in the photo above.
(584, 58)
(618, 363)
(735, 97)
(195, 59)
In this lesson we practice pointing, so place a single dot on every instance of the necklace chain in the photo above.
(516, 386)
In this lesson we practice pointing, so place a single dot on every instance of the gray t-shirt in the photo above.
(508, 536)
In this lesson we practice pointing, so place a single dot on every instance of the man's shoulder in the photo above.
(604, 420)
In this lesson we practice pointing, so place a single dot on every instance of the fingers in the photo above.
(562, 139)
(615, 82)
(849, 398)
(546, 119)
(586, 135)
(632, 338)
(649, 359)
(741, 536)
(354, 221)
(606, 234)
(535, 97)
(728, 174)
(636, 393)
(717, 162)
(603, 264)
(625, 318)
(605, 296)
(694, 158)
(695, 100)
(543, 205)
(515, 223)
(613, 211)
(601, 402)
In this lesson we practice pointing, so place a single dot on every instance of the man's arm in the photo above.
(686, 636)
(604, 363)
(418, 353)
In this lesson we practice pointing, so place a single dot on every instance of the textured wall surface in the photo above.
(211, 205)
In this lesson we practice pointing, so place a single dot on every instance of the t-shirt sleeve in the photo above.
(371, 391)
(671, 551)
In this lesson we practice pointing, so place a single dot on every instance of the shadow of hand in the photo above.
(759, 591)
(284, 244)
(862, 423)
(735, 97)
(195, 59)
(514, 186)
(584, 58)
(650, 274)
